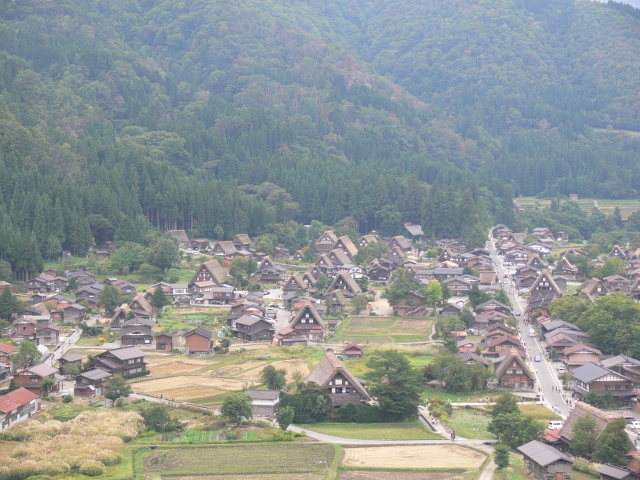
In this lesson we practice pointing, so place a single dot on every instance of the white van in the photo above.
(555, 425)
(532, 332)
(560, 368)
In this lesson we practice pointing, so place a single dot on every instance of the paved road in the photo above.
(544, 370)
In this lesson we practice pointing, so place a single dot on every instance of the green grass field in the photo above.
(385, 330)
(470, 423)
(539, 412)
(254, 459)
(374, 431)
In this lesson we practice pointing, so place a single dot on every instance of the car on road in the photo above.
(537, 358)
(635, 425)
(555, 425)
(518, 314)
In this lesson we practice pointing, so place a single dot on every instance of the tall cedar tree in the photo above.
(395, 384)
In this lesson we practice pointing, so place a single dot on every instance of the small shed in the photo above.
(164, 341)
(545, 462)
(70, 360)
(610, 472)
(352, 350)
(264, 402)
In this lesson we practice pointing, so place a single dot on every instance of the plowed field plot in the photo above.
(185, 387)
(419, 456)
(291, 366)
(177, 368)
(399, 476)
(273, 476)
(421, 325)
(240, 460)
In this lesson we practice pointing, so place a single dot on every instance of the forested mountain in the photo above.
(178, 112)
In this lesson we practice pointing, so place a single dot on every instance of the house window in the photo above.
(338, 381)
(509, 371)
(519, 371)
(34, 380)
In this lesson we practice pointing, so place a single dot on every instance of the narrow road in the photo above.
(544, 370)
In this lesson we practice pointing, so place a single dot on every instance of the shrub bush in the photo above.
(283, 437)
(67, 399)
(585, 466)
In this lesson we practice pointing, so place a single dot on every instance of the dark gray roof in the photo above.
(248, 320)
(263, 394)
(147, 322)
(618, 359)
(590, 372)
(95, 374)
(542, 454)
(72, 358)
(615, 472)
(554, 324)
(200, 331)
(126, 353)
(414, 230)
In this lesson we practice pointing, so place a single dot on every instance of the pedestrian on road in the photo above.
(453, 435)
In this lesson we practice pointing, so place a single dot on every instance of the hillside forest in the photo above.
(120, 117)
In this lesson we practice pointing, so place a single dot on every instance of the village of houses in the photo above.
(525, 349)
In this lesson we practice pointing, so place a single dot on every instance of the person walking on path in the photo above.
(453, 435)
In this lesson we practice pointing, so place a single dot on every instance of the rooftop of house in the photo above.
(16, 399)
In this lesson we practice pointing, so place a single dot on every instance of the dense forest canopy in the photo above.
(243, 114)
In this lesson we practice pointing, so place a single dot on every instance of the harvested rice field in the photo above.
(418, 456)
(369, 475)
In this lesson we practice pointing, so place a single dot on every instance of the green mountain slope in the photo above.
(177, 112)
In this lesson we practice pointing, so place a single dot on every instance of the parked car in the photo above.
(555, 425)
(560, 368)
(537, 358)
(635, 425)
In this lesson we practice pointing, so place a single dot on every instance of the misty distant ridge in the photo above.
(633, 3)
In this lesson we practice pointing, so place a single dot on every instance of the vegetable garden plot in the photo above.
(256, 458)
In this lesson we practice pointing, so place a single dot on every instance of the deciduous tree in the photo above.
(613, 444)
(237, 407)
(117, 387)
(26, 356)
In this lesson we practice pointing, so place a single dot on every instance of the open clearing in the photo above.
(240, 460)
(418, 456)
(353, 475)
